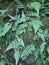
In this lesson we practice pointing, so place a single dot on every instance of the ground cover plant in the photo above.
(24, 32)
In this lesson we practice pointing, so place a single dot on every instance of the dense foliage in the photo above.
(24, 32)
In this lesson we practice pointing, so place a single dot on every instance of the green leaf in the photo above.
(32, 14)
(42, 1)
(36, 24)
(2, 62)
(5, 29)
(42, 46)
(36, 53)
(20, 41)
(41, 35)
(20, 5)
(3, 12)
(21, 28)
(7, 26)
(16, 56)
(20, 31)
(24, 18)
(15, 44)
(34, 5)
(12, 45)
(27, 51)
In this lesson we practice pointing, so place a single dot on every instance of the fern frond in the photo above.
(27, 51)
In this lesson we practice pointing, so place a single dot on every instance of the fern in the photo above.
(4, 13)
(17, 56)
(42, 46)
(34, 5)
(15, 44)
(27, 18)
(6, 28)
(36, 24)
(27, 51)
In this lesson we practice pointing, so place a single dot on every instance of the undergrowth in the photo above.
(17, 18)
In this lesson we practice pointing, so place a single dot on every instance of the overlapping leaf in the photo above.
(15, 44)
(34, 5)
(27, 51)
(5, 29)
